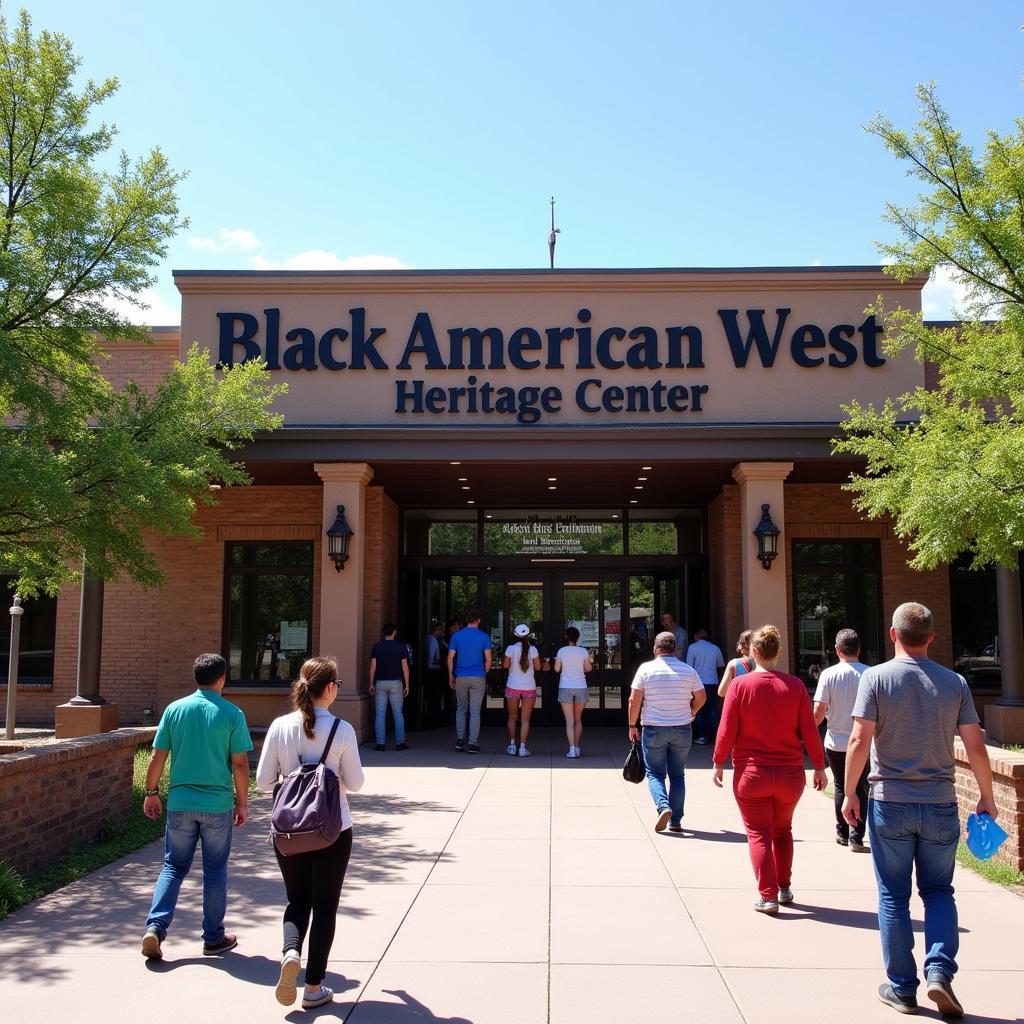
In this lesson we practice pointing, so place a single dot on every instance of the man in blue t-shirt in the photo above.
(208, 740)
(469, 661)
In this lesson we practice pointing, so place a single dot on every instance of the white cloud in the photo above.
(944, 297)
(158, 314)
(322, 259)
(227, 240)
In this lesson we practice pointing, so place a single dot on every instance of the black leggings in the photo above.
(313, 883)
(837, 762)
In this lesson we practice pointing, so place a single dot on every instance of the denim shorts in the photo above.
(573, 695)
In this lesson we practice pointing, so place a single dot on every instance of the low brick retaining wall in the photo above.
(57, 795)
(1008, 789)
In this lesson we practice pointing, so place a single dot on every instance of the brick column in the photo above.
(341, 593)
(765, 597)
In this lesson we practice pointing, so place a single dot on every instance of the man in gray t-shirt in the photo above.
(908, 711)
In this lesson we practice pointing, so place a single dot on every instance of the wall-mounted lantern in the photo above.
(338, 538)
(767, 534)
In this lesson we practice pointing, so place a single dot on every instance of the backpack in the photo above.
(306, 812)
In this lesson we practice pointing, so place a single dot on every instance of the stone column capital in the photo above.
(746, 472)
(344, 472)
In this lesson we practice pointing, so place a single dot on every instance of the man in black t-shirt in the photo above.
(389, 684)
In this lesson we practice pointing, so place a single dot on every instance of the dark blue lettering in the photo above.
(696, 390)
(326, 348)
(612, 398)
(556, 335)
(644, 354)
(804, 338)
(869, 331)
(405, 396)
(581, 394)
(695, 350)
(302, 355)
(757, 334)
(604, 348)
(228, 339)
(836, 338)
(583, 357)
(677, 397)
(526, 338)
(273, 338)
(475, 337)
(435, 399)
(363, 346)
(422, 340)
(550, 399)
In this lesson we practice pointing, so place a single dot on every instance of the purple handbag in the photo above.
(306, 813)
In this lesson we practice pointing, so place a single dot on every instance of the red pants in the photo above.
(767, 797)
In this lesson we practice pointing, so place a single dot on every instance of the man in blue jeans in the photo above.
(469, 661)
(389, 684)
(208, 741)
(907, 712)
(665, 696)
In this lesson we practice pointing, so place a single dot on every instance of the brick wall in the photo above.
(144, 364)
(56, 796)
(1008, 789)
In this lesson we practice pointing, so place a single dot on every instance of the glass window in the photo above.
(666, 532)
(837, 585)
(445, 532)
(975, 622)
(553, 534)
(269, 610)
(35, 638)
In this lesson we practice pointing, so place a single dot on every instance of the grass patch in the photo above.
(118, 837)
(994, 870)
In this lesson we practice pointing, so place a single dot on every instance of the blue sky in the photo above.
(430, 135)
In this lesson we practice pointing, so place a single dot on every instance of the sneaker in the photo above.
(579, 751)
(511, 750)
(215, 949)
(151, 943)
(940, 991)
(401, 746)
(700, 741)
(571, 752)
(523, 752)
(675, 826)
(664, 817)
(786, 895)
(290, 966)
(460, 745)
(325, 995)
(473, 748)
(767, 906)
(379, 746)
(903, 1004)
(842, 841)
(857, 845)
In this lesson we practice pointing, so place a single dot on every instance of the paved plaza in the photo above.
(494, 890)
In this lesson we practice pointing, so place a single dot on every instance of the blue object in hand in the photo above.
(984, 836)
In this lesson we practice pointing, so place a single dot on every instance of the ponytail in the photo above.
(315, 676)
(524, 654)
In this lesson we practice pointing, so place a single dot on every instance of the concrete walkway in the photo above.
(485, 889)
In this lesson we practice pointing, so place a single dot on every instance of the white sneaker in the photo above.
(511, 750)
(523, 752)
(571, 752)
(579, 753)
(286, 990)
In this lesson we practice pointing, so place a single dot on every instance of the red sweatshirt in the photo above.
(767, 720)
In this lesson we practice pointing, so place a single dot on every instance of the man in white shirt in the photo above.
(669, 625)
(670, 693)
(705, 658)
(833, 699)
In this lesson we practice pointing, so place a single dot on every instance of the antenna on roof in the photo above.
(552, 233)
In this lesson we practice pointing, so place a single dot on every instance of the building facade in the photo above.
(584, 447)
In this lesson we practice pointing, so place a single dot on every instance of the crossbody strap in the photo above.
(330, 740)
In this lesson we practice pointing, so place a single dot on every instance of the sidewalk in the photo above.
(493, 890)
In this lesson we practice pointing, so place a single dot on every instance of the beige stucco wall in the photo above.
(783, 393)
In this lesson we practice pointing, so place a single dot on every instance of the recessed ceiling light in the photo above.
(465, 487)
(552, 478)
(615, 515)
(641, 478)
(471, 502)
(647, 467)
(632, 501)
(639, 487)
(551, 487)
(463, 479)
(487, 515)
(454, 463)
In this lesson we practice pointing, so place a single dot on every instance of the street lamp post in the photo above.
(12, 665)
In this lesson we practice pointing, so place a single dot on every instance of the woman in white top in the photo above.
(312, 880)
(521, 660)
(573, 663)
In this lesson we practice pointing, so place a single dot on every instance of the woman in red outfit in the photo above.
(767, 724)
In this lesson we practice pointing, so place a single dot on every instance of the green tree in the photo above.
(948, 463)
(84, 470)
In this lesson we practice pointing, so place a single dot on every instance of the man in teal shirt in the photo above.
(208, 740)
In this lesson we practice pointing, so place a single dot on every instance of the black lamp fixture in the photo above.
(767, 534)
(338, 538)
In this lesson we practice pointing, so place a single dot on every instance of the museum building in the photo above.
(586, 447)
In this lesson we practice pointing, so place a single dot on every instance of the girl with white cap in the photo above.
(521, 660)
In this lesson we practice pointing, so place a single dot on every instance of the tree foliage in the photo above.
(947, 463)
(85, 470)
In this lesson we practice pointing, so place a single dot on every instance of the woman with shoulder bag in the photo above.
(313, 879)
